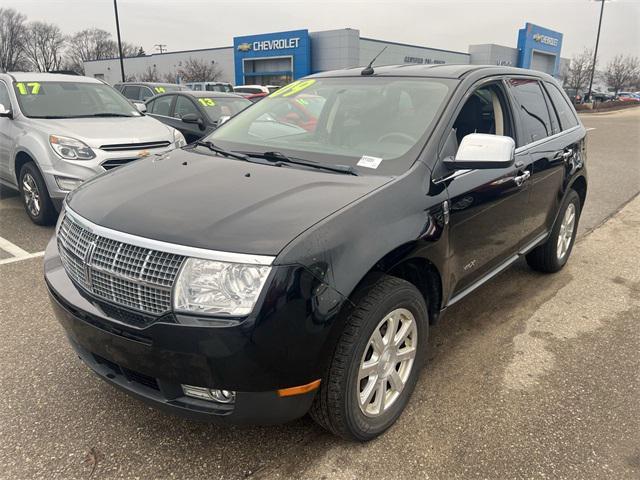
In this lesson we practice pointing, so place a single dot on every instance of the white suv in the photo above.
(58, 130)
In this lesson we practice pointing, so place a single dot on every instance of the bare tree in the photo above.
(169, 77)
(622, 72)
(12, 36)
(43, 46)
(579, 71)
(197, 70)
(95, 44)
(150, 75)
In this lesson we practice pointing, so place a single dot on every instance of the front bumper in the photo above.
(85, 169)
(254, 358)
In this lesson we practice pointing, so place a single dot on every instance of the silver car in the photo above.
(58, 130)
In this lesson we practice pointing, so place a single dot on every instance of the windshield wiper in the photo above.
(106, 114)
(282, 158)
(220, 151)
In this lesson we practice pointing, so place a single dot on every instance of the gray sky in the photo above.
(448, 24)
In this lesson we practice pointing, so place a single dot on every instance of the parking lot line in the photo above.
(17, 252)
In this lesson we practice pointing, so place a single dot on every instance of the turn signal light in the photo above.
(299, 390)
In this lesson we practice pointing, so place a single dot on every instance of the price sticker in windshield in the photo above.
(207, 102)
(159, 89)
(30, 88)
(293, 88)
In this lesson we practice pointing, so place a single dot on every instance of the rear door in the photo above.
(550, 148)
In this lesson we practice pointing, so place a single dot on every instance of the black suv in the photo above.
(276, 268)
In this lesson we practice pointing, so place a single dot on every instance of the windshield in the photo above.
(376, 124)
(218, 107)
(71, 100)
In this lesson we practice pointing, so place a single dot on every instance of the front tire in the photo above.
(35, 196)
(552, 255)
(376, 363)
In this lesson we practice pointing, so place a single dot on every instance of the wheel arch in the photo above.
(580, 186)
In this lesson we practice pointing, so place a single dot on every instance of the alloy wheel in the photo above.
(31, 194)
(566, 231)
(387, 362)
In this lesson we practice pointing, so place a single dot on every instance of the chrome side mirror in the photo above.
(223, 119)
(5, 112)
(483, 151)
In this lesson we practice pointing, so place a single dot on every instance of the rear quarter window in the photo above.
(563, 108)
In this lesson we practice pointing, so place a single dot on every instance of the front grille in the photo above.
(117, 162)
(121, 147)
(127, 275)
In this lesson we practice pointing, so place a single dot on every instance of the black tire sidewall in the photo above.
(47, 210)
(362, 427)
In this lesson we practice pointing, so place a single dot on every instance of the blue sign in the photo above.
(533, 38)
(292, 48)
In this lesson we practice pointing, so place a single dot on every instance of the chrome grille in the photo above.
(128, 275)
(121, 147)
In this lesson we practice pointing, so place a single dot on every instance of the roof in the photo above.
(448, 70)
(50, 77)
(151, 84)
(208, 94)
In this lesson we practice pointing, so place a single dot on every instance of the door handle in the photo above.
(520, 179)
(564, 154)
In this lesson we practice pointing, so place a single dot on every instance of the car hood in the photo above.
(205, 201)
(96, 132)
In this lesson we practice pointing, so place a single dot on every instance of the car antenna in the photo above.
(368, 70)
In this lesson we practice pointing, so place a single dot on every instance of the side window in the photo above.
(162, 105)
(486, 111)
(4, 96)
(533, 109)
(183, 107)
(562, 107)
(145, 93)
(132, 92)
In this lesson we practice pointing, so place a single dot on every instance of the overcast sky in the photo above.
(447, 24)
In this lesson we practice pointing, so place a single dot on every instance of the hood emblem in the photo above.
(143, 153)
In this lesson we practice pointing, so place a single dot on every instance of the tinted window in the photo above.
(145, 92)
(533, 109)
(248, 90)
(562, 107)
(162, 105)
(132, 92)
(183, 107)
(4, 96)
(218, 107)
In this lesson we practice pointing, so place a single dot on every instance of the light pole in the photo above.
(595, 52)
(115, 7)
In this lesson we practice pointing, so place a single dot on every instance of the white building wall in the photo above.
(334, 49)
(398, 54)
(492, 54)
(222, 59)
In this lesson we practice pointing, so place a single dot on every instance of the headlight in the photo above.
(178, 139)
(211, 287)
(70, 148)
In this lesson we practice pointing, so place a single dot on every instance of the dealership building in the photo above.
(278, 58)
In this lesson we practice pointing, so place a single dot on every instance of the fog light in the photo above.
(67, 184)
(210, 394)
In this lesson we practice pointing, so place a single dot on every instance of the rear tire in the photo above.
(35, 196)
(391, 310)
(552, 255)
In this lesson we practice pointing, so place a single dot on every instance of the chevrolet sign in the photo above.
(547, 40)
(244, 47)
(266, 45)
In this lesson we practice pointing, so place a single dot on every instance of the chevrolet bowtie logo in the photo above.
(143, 153)
(244, 47)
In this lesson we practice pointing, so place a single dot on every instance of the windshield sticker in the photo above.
(369, 162)
(31, 88)
(207, 102)
(159, 89)
(293, 88)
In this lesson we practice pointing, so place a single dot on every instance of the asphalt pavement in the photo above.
(532, 376)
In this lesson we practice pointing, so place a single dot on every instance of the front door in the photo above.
(486, 207)
(6, 136)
